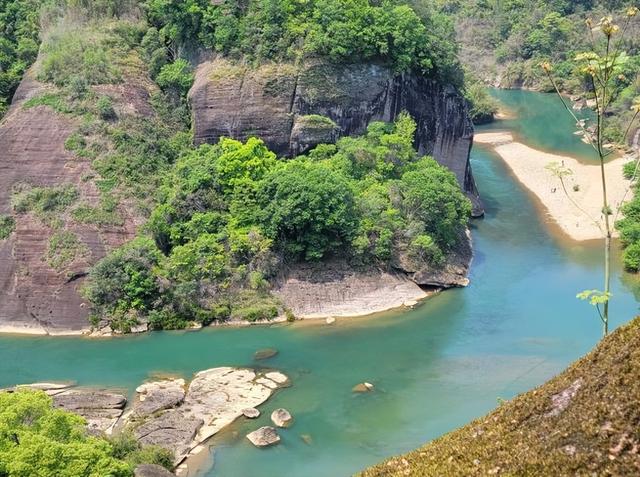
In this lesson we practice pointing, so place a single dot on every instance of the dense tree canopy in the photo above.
(353, 30)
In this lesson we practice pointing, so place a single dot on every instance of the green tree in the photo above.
(39, 441)
(308, 209)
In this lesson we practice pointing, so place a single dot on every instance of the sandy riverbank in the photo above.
(529, 167)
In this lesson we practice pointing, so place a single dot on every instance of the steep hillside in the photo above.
(585, 421)
(111, 211)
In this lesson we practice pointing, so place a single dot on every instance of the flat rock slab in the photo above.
(100, 408)
(172, 430)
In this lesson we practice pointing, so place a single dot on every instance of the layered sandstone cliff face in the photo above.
(34, 297)
(276, 102)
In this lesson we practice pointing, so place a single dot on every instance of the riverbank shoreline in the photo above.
(583, 186)
(396, 305)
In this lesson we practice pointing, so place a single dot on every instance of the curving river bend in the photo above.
(434, 368)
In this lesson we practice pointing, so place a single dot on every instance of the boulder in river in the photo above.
(281, 418)
(251, 413)
(264, 437)
(265, 354)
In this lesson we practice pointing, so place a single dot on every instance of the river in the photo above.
(434, 368)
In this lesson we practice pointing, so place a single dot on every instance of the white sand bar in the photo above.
(530, 167)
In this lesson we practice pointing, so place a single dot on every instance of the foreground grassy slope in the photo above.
(586, 421)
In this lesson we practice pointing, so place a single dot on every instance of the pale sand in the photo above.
(529, 166)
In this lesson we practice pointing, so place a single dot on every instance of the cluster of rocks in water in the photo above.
(181, 416)
(171, 413)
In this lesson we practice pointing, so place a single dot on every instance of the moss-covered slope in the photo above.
(586, 421)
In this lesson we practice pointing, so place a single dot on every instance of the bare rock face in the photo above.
(284, 105)
(264, 437)
(171, 430)
(336, 288)
(157, 396)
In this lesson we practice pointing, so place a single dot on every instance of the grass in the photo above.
(64, 248)
(45, 202)
(597, 433)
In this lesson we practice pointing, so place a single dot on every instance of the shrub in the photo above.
(631, 257)
(7, 225)
(124, 281)
(105, 108)
(176, 78)
(308, 209)
(38, 440)
(78, 54)
(45, 202)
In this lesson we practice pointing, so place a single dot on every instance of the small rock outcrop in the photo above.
(293, 108)
(266, 353)
(282, 418)
(264, 437)
(363, 388)
(157, 396)
(101, 408)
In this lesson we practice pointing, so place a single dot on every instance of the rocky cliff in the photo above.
(284, 105)
(34, 296)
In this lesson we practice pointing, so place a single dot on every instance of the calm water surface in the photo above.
(434, 368)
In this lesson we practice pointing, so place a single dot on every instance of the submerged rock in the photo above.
(266, 353)
(282, 418)
(363, 388)
(264, 437)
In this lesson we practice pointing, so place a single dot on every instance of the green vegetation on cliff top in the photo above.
(585, 421)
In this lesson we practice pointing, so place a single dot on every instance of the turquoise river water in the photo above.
(434, 368)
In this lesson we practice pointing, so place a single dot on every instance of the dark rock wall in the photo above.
(232, 100)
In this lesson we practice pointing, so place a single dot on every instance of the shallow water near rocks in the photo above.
(434, 368)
